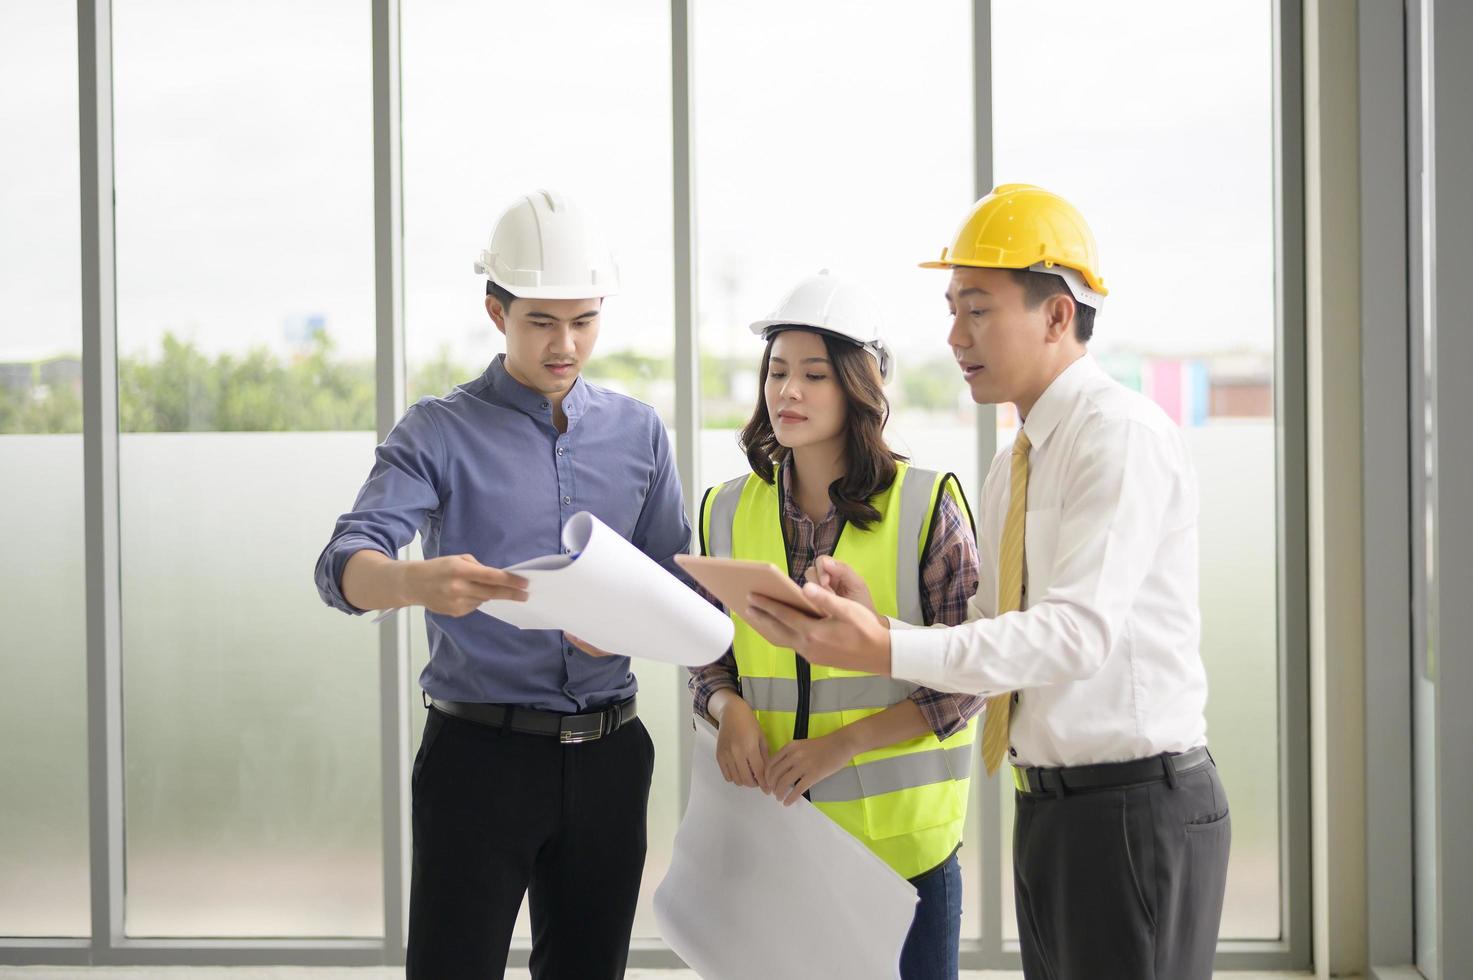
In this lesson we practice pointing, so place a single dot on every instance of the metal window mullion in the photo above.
(1385, 479)
(1448, 141)
(100, 474)
(988, 798)
(982, 170)
(687, 343)
(1291, 482)
(389, 399)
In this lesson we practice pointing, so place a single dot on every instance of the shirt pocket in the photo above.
(1041, 545)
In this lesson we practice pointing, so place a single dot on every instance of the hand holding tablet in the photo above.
(732, 579)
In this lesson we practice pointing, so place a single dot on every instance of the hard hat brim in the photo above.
(767, 329)
(1095, 285)
(559, 292)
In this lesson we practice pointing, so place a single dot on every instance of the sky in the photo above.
(827, 135)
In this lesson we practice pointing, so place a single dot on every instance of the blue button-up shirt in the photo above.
(485, 472)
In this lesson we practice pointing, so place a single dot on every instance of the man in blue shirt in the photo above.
(534, 771)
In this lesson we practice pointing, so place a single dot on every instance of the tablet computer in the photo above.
(732, 579)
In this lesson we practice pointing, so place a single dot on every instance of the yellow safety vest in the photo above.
(908, 801)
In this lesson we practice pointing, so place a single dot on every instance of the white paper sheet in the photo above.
(612, 595)
(756, 889)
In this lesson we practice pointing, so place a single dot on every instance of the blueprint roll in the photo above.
(609, 593)
(758, 889)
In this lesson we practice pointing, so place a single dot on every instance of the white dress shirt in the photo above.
(1105, 651)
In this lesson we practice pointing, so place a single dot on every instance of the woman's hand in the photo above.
(741, 748)
(799, 765)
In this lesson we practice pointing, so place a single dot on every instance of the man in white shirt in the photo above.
(1085, 628)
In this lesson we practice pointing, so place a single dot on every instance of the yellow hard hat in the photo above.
(1019, 226)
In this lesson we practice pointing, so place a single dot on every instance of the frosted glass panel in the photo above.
(44, 888)
(251, 711)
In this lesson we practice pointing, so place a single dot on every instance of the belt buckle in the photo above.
(579, 735)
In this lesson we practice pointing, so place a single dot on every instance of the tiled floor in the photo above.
(378, 973)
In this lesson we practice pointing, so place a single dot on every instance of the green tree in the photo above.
(335, 394)
(438, 376)
(56, 409)
(177, 393)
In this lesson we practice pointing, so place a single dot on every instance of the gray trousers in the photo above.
(1122, 883)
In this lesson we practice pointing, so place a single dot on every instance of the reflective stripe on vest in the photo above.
(915, 511)
(826, 694)
(894, 774)
(723, 517)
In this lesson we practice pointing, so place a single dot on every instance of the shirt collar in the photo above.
(1051, 406)
(791, 510)
(512, 392)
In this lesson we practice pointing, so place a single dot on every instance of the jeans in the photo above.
(932, 946)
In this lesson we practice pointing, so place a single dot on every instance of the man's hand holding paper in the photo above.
(613, 599)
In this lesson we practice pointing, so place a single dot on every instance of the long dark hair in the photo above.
(869, 463)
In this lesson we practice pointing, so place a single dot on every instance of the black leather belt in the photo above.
(1035, 781)
(569, 729)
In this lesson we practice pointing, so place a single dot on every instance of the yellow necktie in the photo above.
(1009, 598)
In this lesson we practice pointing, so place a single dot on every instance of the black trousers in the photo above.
(498, 815)
(1122, 883)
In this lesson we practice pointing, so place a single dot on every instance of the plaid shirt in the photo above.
(948, 582)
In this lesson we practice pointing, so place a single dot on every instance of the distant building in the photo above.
(62, 372)
(17, 378)
(300, 331)
(1194, 390)
(1243, 386)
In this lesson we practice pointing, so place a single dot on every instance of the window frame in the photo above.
(109, 945)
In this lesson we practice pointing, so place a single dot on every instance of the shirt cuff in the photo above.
(330, 569)
(701, 702)
(706, 681)
(919, 656)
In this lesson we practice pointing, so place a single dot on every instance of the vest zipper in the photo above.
(805, 682)
(804, 669)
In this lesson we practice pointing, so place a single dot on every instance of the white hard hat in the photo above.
(833, 306)
(546, 247)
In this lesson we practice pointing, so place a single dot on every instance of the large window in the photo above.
(846, 146)
(43, 728)
(245, 337)
(836, 135)
(1170, 159)
(501, 99)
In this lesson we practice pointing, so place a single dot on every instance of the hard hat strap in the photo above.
(1078, 288)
